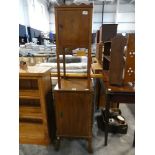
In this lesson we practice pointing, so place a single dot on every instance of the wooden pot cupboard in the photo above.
(34, 84)
(73, 96)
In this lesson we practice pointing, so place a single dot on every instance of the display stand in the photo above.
(73, 96)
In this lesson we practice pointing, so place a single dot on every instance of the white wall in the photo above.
(34, 13)
(52, 20)
(124, 16)
(23, 12)
(33, 16)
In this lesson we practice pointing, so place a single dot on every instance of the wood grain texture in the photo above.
(73, 30)
(129, 69)
(74, 109)
(116, 60)
(73, 97)
(30, 133)
(74, 113)
(99, 52)
(33, 125)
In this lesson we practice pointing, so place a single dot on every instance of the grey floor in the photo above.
(118, 144)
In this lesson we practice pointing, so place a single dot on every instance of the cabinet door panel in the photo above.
(73, 27)
(74, 113)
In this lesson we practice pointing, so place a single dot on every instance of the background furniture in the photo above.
(99, 52)
(34, 85)
(74, 109)
(115, 94)
(107, 31)
(97, 38)
(119, 59)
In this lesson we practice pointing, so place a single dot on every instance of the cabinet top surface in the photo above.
(74, 84)
(75, 6)
(34, 70)
(127, 88)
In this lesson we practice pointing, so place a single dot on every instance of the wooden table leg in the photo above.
(133, 140)
(57, 144)
(98, 89)
(90, 150)
(107, 118)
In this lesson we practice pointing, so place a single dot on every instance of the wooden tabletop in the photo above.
(34, 71)
(126, 88)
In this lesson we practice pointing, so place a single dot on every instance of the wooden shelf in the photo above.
(34, 84)
(26, 112)
(29, 94)
(32, 133)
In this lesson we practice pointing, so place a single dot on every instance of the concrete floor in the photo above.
(118, 144)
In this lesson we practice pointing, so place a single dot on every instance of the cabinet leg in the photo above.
(133, 140)
(90, 150)
(57, 144)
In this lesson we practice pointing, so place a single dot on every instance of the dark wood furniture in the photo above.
(73, 30)
(115, 94)
(99, 52)
(106, 55)
(116, 66)
(97, 38)
(74, 110)
(107, 31)
(119, 59)
(34, 84)
(73, 96)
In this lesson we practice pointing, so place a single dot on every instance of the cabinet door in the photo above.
(74, 27)
(73, 113)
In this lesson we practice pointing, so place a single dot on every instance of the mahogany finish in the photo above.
(129, 73)
(97, 38)
(99, 52)
(73, 97)
(119, 59)
(115, 94)
(74, 108)
(116, 60)
(73, 30)
(119, 62)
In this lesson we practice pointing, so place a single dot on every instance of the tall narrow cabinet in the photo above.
(74, 96)
(34, 84)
